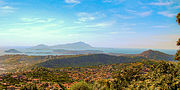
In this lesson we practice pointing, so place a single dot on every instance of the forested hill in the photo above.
(157, 55)
(96, 59)
(89, 60)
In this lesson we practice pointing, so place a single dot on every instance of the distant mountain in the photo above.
(157, 55)
(76, 45)
(40, 46)
(70, 46)
(88, 60)
(77, 52)
(12, 51)
(149, 54)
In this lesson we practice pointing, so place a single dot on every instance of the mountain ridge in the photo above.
(12, 51)
(75, 45)
(97, 59)
(152, 54)
(88, 60)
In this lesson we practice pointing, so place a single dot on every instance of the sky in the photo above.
(100, 23)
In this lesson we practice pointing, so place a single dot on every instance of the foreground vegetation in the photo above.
(90, 72)
(159, 75)
(147, 74)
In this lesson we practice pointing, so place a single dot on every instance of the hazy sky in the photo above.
(101, 23)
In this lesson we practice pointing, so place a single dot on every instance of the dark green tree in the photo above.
(178, 42)
(29, 87)
(63, 88)
(81, 86)
(178, 18)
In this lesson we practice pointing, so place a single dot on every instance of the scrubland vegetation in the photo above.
(146, 74)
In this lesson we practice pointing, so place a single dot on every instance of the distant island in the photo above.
(79, 48)
(69, 46)
(12, 51)
(62, 51)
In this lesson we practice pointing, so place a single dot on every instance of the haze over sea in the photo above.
(136, 50)
(105, 50)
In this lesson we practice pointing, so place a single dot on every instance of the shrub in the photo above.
(81, 86)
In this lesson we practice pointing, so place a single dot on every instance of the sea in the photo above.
(136, 50)
(105, 50)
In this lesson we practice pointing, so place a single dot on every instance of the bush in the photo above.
(164, 76)
(102, 85)
(81, 86)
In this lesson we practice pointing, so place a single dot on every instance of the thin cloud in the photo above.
(147, 13)
(113, 1)
(37, 20)
(83, 17)
(177, 7)
(161, 3)
(143, 14)
(72, 1)
(7, 9)
(101, 25)
(160, 26)
(123, 16)
(2, 3)
(122, 32)
(167, 14)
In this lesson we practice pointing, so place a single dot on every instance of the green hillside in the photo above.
(89, 60)
(157, 55)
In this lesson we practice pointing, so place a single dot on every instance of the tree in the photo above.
(178, 18)
(63, 88)
(178, 42)
(29, 87)
(102, 85)
(81, 86)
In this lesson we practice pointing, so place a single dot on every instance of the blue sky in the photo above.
(101, 23)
